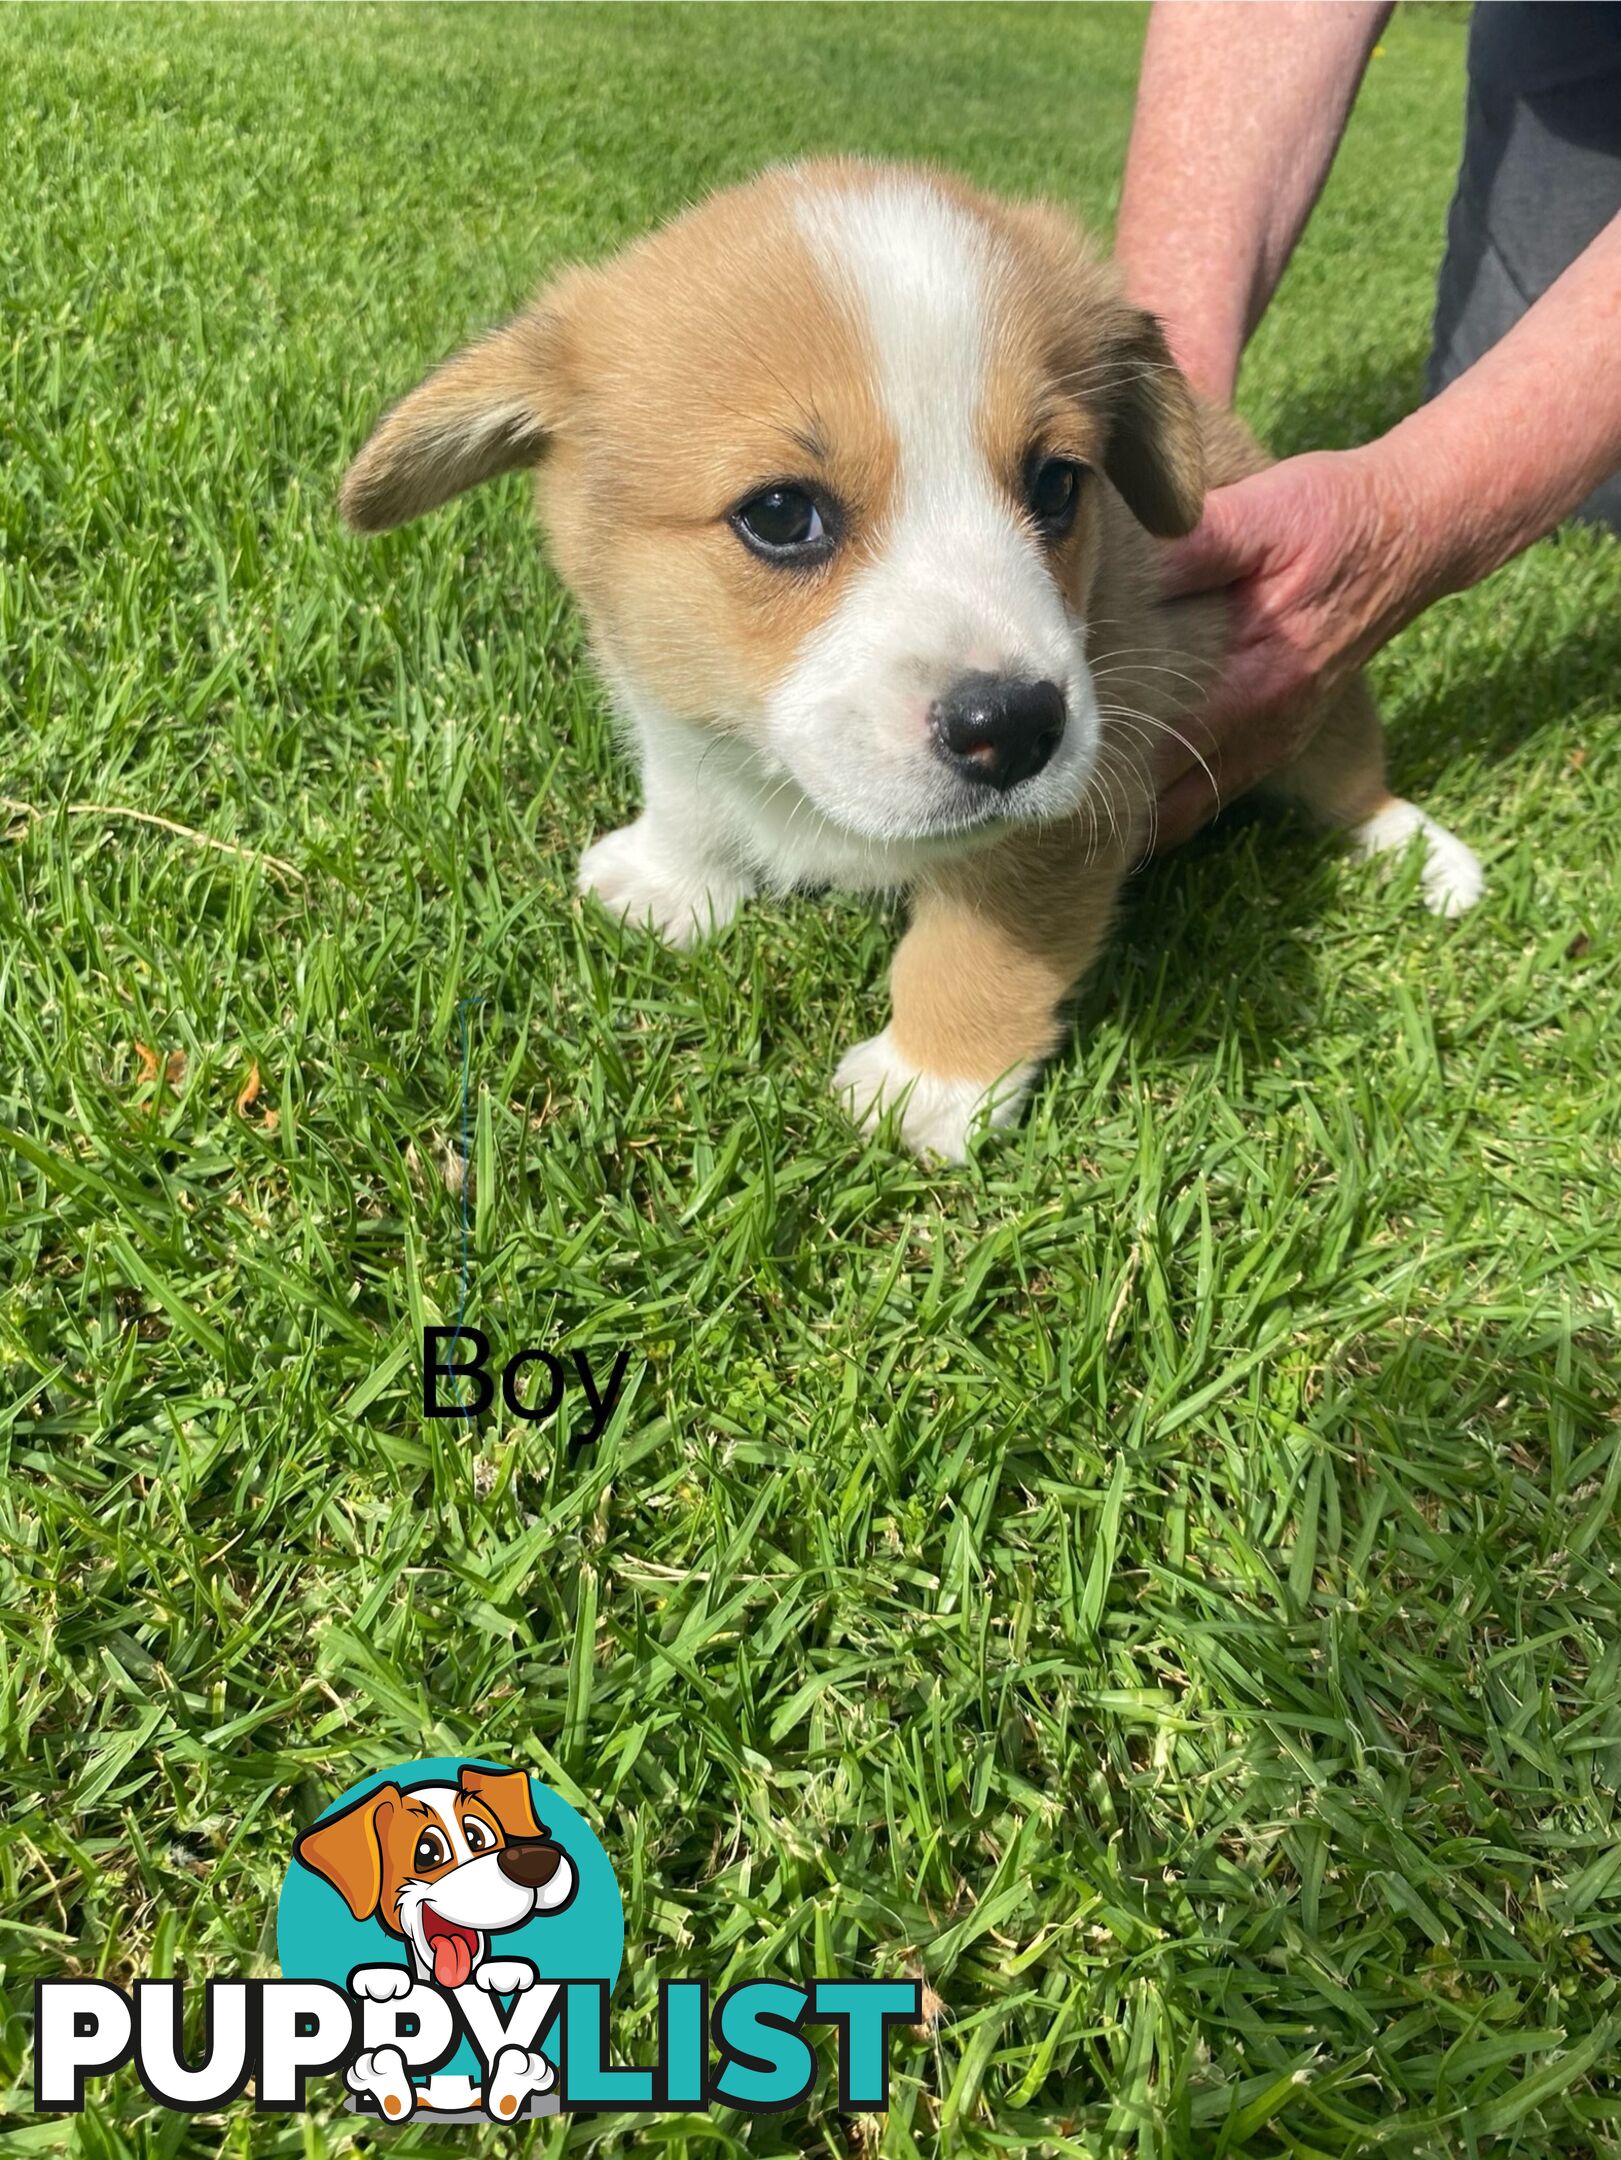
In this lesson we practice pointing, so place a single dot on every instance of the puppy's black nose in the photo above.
(530, 1861)
(997, 729)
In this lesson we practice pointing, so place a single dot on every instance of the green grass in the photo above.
(1160, 1582)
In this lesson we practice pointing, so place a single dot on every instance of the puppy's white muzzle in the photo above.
(856, 720)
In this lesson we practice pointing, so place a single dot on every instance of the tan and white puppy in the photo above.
(444, 1868)
(856, 473)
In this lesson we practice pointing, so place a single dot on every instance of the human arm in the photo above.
(1240, 109)
(1328, 555)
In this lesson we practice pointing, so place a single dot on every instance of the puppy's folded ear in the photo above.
(1116, 359)
(1156, 453)
(347, 1849)
(490, 409)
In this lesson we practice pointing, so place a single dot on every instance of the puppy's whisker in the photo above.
(1176, 735)
(1148, 667)
(1143, 771)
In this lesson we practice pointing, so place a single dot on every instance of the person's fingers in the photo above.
(1235, 742)
(1191, 788)
(1246, 751)
(1223, 547)
(1182, 810)
(1179, 751)
(1210, 734)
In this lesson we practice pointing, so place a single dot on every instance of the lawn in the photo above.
(1157, 1583)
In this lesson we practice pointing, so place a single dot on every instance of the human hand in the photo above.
(1321, 559)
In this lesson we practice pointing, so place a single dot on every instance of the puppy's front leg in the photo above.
(672, 869)
(996, 944)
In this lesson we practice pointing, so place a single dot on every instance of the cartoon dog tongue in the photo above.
(452, 1954)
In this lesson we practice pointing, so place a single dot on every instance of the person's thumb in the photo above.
(1222, 548)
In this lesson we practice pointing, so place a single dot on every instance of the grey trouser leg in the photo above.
(1539, 179)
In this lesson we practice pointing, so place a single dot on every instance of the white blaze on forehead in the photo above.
(921, 272)
(960, 581)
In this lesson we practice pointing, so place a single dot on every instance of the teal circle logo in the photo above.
(455, 1874)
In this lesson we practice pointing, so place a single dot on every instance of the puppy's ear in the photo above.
(506, 1794)
(347, 1849)
(1156, 453)
(487, 411)
(1116, 358)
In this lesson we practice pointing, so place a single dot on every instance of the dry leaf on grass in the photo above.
(251, 1090)
(158, 1072)
(441, 1156)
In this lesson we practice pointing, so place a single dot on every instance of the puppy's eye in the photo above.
(431, 1851)
(783, 524)
(478, 1837)
(1054, 490)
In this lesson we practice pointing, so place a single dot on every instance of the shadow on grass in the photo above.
(1216, 939)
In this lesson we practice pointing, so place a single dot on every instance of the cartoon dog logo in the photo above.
(445, 1868)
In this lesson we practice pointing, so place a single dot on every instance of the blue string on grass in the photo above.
(462, 1010)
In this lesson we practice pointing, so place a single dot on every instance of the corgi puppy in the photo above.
(856, 473)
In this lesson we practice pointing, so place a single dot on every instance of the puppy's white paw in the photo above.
(505, 1976)
(382, 2074)
(381, 1983)
(515, 2075)
(938, 1116)
(640, 876)
(1451, 879)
